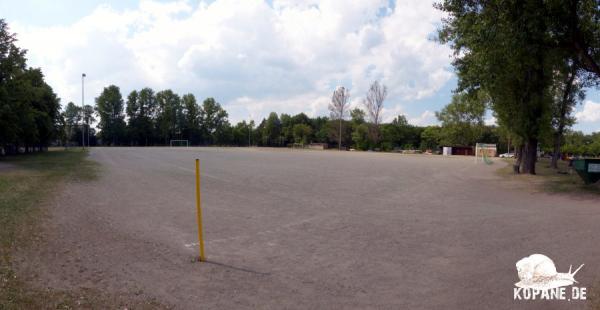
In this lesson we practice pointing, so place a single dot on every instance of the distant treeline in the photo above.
(148, 118)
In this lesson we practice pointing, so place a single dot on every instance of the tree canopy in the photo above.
(510, 49)
(29, 109)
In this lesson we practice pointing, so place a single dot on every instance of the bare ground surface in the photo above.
(308, 230)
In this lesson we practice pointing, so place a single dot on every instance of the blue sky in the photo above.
(252, 56)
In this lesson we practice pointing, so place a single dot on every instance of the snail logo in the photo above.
(539, 278)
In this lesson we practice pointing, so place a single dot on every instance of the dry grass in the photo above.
(547, 179)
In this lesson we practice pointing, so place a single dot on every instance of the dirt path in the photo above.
(305, 229)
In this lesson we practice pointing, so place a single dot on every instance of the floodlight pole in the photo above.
(83, 110)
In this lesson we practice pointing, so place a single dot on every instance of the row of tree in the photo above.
(149, 118)
(29, 109)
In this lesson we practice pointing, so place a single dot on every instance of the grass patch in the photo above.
(547, 179)
(27, 181)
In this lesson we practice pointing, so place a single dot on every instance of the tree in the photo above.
(272, 130)
(169, 119)
(215, 125)
(337, 107)
(191, 125)
(502, 47)
(109, 106)
(287, 128)
(320, 129)
(575, 32)
(146, 116)
(357, 116)
(72, 116)
(360, 137)
(242, 133)
(567, 91)
(132, 110)
(430, 138)
(29, 109)
(12, 64)
(302, 133)
(399, 133)
(462, 119)
(373, 103)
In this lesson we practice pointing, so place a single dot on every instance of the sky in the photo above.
(252, 56)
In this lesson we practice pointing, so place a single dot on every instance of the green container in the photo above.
(588, 169)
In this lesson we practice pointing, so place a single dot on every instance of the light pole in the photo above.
(83, 110)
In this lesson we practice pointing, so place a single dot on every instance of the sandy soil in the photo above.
(308, 230)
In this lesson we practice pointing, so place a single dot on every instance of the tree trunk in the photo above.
(562, 117)
(518, 156)
(529, 156)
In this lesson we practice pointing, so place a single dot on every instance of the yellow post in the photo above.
(199, 212)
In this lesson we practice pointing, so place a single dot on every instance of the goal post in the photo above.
(485, 151)
(179, 143)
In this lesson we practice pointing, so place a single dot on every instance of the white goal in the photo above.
(485, 151)
(185, 143)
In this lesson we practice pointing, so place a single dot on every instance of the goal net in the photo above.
(485, 151)
(180, 143)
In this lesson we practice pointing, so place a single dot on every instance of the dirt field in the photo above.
(309, 230)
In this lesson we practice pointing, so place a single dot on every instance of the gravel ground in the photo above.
(309, 230)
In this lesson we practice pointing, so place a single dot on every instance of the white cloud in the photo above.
(251, 56)
(490, 120)
(426, 118)
(589, 113)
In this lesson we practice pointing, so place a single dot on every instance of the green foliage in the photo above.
(109, 106)
(430, 138)
(501, 47)
(577, 143)
(462, 119)
(191, 128)
(29, 109)
(214, 123)
(357, 116)
(169, 119)
(360, 137)
(141, 111)
(302, 133)
(271, 130)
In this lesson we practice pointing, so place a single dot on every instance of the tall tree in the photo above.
(215, 123)
(12, 64)
(146, 115)
(169, 119)
(272, 130)
(338, 107)
(109, 106)
(373, 103)
(566, 92)
(132, 111)
(191, 125)
(502, 47)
